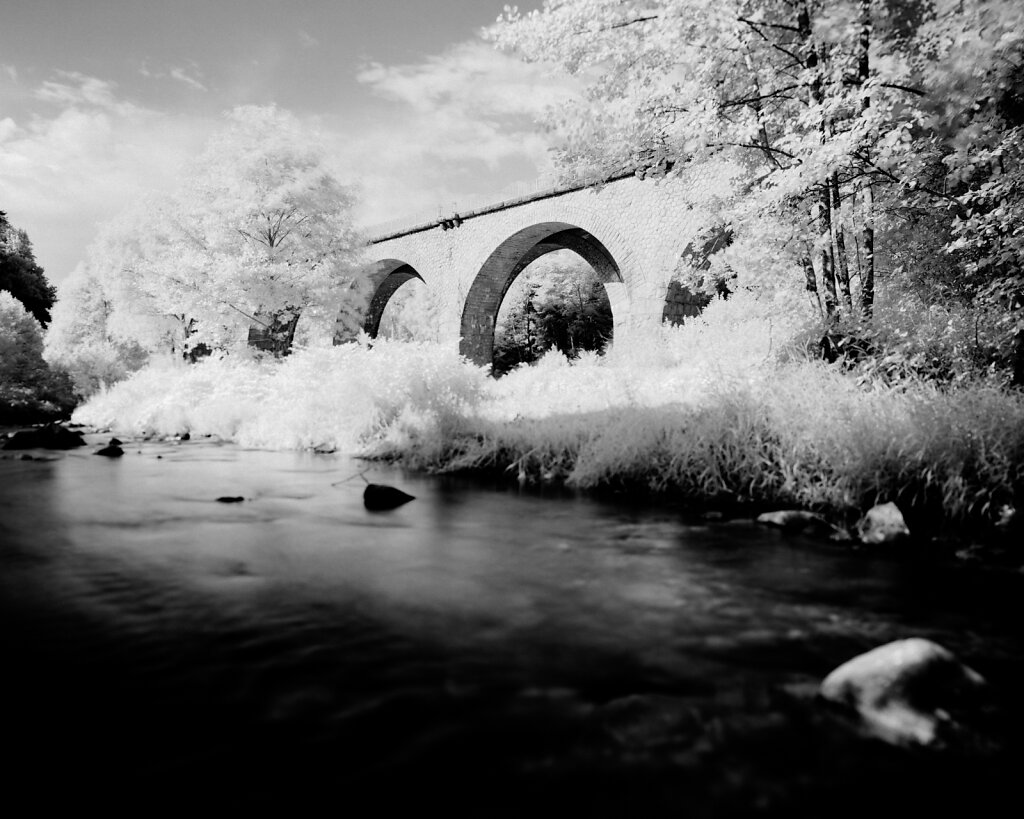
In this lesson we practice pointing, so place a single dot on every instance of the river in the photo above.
(482, 650)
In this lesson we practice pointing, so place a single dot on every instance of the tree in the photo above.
(20, 275)
(80, 341)
(29, 390)
(845, 117)
(258, 231)
(558, 301)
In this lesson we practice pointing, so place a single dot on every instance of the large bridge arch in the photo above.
(509, 259)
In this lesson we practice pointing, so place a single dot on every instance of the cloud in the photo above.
(473, 77)
(78, 89)
(189, 75)
(9, 71)
(63, 172)
(308, 40)
(183, 75)
(454, 128)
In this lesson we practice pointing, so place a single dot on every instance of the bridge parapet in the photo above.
(475, 206)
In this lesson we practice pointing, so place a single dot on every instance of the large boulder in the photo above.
(51, 436)
(910, 692)
(882, 524)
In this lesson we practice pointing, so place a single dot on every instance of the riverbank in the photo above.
(691, 430)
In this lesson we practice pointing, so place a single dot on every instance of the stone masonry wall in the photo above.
(645, 226)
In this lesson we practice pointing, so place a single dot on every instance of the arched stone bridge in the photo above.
(632, 231)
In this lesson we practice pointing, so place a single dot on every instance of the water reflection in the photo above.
(550, 651)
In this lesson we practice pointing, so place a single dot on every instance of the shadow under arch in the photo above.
(511, 257)
(385, 277)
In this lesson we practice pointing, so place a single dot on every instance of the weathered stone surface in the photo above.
(909, 692)
(883, 524)
(633, 231)
(797, 521)
(51, 436)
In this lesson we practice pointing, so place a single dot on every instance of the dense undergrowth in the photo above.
(702, 416)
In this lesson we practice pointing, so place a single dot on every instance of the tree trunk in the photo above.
(839, 241)
(867, 276)
(825, 258)
(811, 281)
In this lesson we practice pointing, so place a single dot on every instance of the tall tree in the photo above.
(834, 109)
(20, 275)
(258, 231)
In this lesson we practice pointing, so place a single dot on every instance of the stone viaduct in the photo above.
(633, 231)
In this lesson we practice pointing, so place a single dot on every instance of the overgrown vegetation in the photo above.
(867, 152)
(557, 303)
(701, 414)
(29, 391)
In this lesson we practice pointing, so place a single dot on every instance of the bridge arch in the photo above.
(386, 276)
(504, 264)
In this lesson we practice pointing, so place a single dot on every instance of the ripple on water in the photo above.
(567, 653)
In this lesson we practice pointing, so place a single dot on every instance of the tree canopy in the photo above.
(257, 231)
(852, 124)
(20, 275)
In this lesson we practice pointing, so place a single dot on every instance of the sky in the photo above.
(104, 100)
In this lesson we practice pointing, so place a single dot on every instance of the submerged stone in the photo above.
(798, 521)
(883, 523)
(379, 497)
(111, 451)
(910, 692)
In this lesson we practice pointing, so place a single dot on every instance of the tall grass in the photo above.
(704, 412)
(807, 436)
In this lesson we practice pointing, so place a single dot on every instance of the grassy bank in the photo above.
(707, 419)
(807, 436)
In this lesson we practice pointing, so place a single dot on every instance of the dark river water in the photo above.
(480, 651)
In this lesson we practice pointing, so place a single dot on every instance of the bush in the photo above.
(29, 390)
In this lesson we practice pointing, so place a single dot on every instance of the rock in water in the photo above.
(797, 521)
(883, 524)
(377, 497)
(111, 451)
(52, 436)
(230, 499)
(909, 692)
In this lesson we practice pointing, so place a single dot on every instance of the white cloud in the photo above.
(473, 77)
(82, 90)
(187, 76)
(8, 128)
(460, 125)
(308, 40)
(9, 71)
(64, 172)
